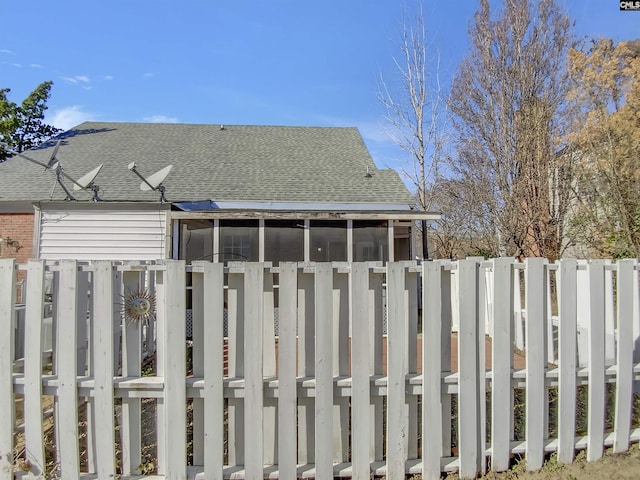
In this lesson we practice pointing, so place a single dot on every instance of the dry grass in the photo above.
(622, 466)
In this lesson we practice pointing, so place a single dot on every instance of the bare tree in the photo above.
(463, 229)
(506, 99)
(417, 112)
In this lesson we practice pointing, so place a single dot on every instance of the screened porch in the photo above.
(294, 239)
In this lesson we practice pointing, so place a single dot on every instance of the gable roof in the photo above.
(233, 163)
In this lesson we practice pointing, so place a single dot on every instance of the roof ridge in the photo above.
(217, 125)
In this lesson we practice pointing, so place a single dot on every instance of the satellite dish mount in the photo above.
(83, 183)
(86, 183)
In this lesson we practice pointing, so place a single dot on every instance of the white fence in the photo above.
(331, 395)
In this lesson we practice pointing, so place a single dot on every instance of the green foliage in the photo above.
(22, 127)
(604, 104)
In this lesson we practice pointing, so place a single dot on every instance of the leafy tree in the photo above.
(22, 127)
(506, 100)
(605, 145)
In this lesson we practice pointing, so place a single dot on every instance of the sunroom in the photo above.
(296, 235)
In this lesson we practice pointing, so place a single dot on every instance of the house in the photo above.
(235, 192)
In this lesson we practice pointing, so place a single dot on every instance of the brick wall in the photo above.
(16, 230)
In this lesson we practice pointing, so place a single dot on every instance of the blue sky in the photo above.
(268, 62)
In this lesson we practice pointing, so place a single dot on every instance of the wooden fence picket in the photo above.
(624, 373)
(66, 367)
(131, 417)
(432, 306)
(161, 330)
(84, 326)
(536, 307)
(213, 360)
(253, 374)
(397, 369)
(338, 378)
(468, 388)
(596, 335)
(33, 351)
(174, 394)
(481, 366)
(198, 346)
(207, 361)
(287, 385)
(7, 403)
(360, 373)
(567, 354)
(502, 362)
(103, 351)
(324, 371)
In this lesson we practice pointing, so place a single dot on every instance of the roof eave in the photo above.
(410, 215)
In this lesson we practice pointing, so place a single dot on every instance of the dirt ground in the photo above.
(625, 466)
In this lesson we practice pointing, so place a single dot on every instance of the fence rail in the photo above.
(336, 392)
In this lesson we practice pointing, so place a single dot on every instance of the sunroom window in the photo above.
(328, 241)
(283, 241)
(238, 240)
(370, 241)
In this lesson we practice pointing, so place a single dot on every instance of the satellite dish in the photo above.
(154, 181)
(84, 183)
(50, 165)
(86, 180)
(52, 160)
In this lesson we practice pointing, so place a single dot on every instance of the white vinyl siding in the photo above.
(114, 233)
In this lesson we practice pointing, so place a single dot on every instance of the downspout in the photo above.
(37, 226)
(173, 239)
(425, 245)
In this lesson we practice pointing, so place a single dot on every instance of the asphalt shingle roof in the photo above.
(237, 163)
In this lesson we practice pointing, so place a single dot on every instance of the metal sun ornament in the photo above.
(140, 306)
